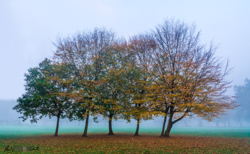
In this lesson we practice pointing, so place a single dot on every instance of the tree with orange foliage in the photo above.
(189, 78)
(85, 51)
(112, 98)
(138, 81)
(166, 72)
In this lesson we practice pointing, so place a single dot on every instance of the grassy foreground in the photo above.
(124, 143)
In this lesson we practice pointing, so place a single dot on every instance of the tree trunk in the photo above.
(167, 132)
(164, 121)
(163, 127)
(110, 125)
(170, 123)
(57, 124)
(137, 128)
(86, 126)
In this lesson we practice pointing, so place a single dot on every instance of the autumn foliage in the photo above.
(166, 72)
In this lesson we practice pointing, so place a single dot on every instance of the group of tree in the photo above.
(241, 113)
(242, 94)
(165, 72)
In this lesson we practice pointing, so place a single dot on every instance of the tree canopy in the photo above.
(47, 92)
(165, 72)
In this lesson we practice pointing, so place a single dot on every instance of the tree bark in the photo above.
(164, 122)
(170, 123)
(137, 128)
(167, 132)
(163, 127)
(57, 124)
(86, 126)
(110, 125)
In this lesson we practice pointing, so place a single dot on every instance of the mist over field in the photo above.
(10, 118)
(12, 127)
(29, 28)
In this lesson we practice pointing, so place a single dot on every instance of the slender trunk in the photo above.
(164, 122)
(163, 127)
(167, 132)
(138, 120)
(170, 123)
(57, 124)
(137, 128)
(86, 126)
(110, 125)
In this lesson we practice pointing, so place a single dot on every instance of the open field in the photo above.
(183, 140)
(123, 143)
(14, 131)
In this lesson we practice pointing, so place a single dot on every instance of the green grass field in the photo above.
(31, 130)
(183, 140)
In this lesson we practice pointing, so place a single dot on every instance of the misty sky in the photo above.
(28, 28)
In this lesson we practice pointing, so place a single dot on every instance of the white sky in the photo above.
(28, 28)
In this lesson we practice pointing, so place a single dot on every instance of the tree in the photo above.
(85, 52)
(188, 75)
(242, 94)
(166, 72)
(112, 93)
(139, 79)
(47, 92)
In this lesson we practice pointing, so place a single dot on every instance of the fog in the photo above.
(10, 117)
(28, 28)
